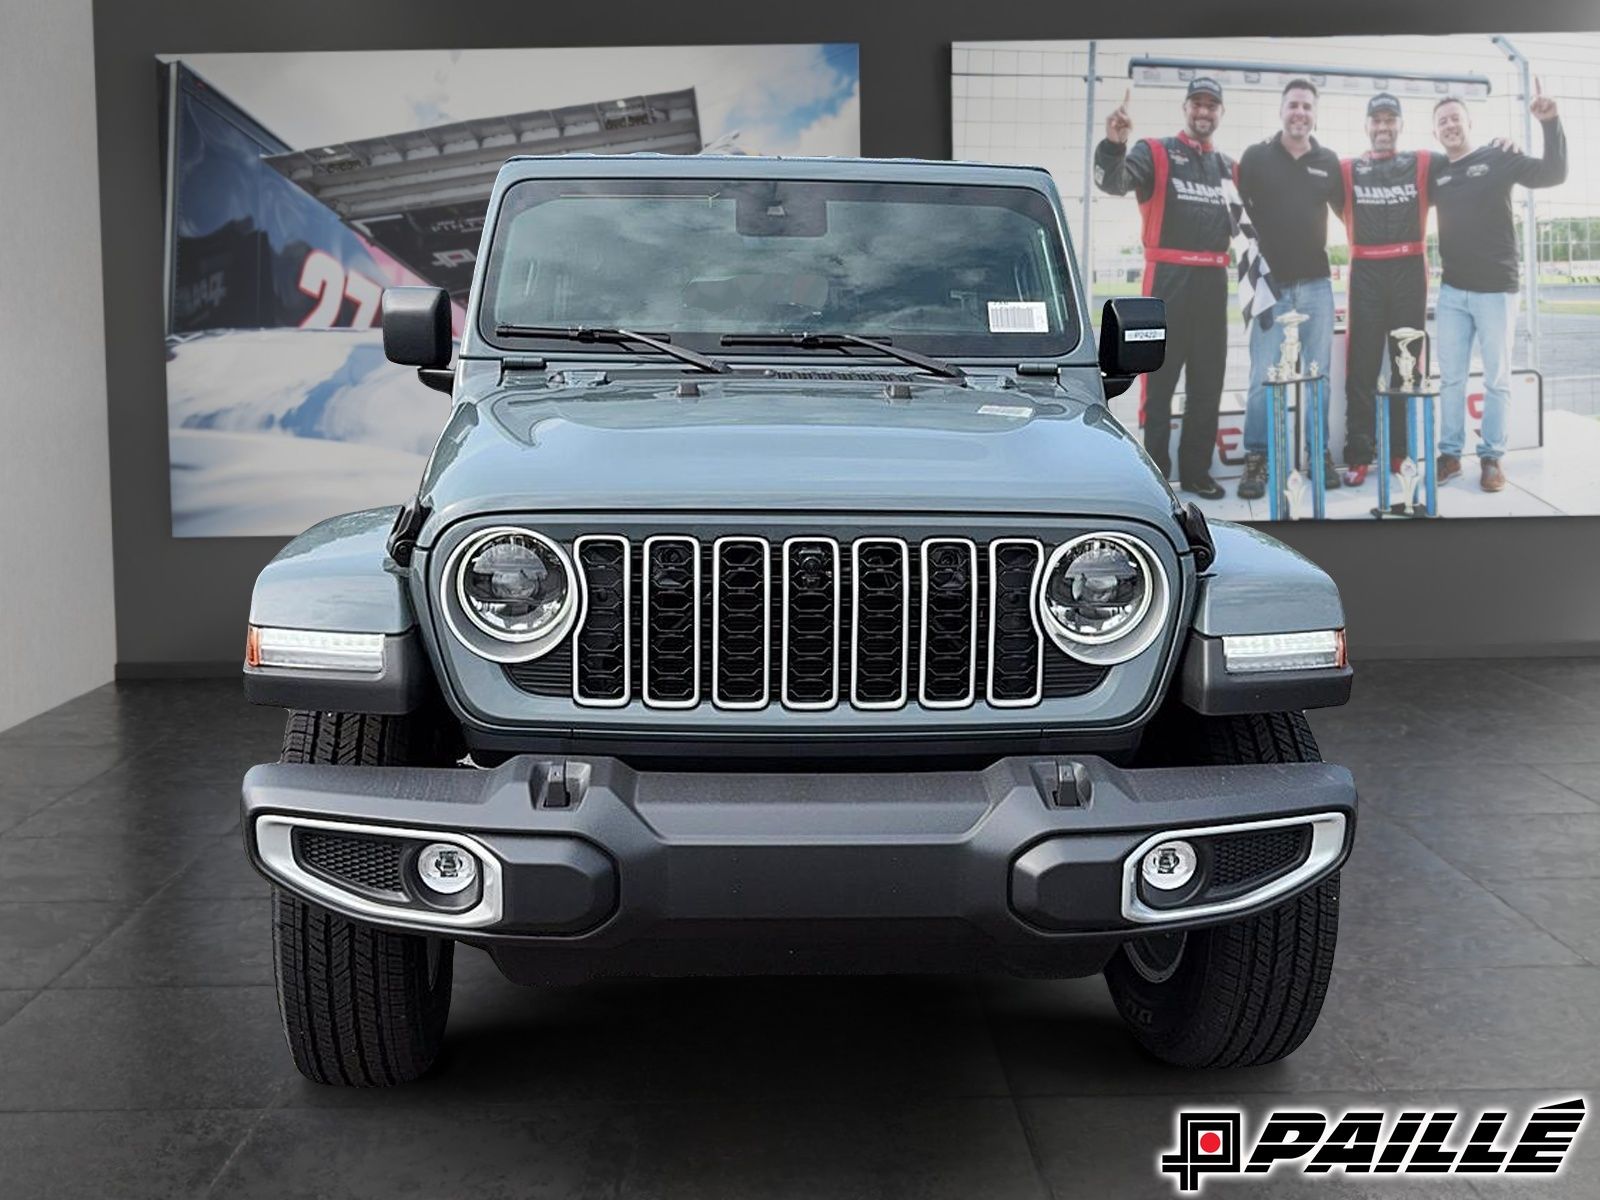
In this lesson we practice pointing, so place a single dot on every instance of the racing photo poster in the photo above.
(1380, 257)
(299, 185)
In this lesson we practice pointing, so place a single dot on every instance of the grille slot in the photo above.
(1016, 646)
(811, 618)
(370, 864)
(880, 609)
(741, 614)
(1247, 860)
(671, 651)
(601, 660)
(949, 672)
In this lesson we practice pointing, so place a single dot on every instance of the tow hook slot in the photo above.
(560, 784)
(1068, 784)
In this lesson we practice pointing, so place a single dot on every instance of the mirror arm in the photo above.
(1115, 385)
(440, 379)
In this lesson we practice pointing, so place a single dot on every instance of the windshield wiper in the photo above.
(839, 341)
(588, 333)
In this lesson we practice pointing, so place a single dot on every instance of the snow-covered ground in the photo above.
(270, 431)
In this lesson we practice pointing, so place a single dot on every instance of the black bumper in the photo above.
(599, 869)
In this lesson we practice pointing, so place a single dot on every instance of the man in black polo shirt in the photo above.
(1471, 188)
(1288, 183)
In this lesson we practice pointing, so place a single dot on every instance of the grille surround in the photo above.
(1075, 692)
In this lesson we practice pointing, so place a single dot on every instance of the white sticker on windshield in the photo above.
(1018, 316)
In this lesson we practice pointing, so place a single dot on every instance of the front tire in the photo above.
(361, 1007)
(1248, 992)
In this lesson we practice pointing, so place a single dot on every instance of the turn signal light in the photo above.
(1319, 649)
(314, 650)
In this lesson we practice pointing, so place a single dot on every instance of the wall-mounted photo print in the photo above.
(1380, 257)
(299, 186)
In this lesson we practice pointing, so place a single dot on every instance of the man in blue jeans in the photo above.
(1471, 188)
(1288, 183)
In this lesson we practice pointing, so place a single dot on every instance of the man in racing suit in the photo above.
(1386, 215)
(1187, 227)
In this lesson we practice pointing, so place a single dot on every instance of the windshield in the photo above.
(948, 270)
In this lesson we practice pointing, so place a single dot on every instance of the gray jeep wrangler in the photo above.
(782, 596)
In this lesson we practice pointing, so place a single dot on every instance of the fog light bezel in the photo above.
(272, 835)
(1328, 831)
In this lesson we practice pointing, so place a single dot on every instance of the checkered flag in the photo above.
(1256, 293)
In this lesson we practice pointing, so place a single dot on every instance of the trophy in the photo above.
(1405, 361)
(1288, 364)
(1409, 478)
(1295, 492)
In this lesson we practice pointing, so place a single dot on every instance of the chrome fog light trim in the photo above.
(314, 650)
(1327, 843)
(274, 843)
(1319, 649)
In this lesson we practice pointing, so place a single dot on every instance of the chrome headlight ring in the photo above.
(482, 639)
(1118, 647)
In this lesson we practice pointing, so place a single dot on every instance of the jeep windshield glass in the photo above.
(944, 270)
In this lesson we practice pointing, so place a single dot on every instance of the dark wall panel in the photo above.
(1448, 588)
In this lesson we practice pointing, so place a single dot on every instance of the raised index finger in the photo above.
(1538, 87)
(1127, 96)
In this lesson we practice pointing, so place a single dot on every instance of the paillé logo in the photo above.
(1357, 1142)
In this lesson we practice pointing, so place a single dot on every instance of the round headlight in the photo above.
(517, 591)
(514, 586)
(1098, 590)
(1104, 597)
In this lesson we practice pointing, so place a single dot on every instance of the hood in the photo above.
(822, 445)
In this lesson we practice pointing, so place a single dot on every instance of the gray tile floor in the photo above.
(140, 1053)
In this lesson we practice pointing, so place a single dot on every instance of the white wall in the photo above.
(57, 632)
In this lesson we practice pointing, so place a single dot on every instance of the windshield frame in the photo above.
(1033, 202)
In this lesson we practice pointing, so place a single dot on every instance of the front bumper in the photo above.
(592, 868)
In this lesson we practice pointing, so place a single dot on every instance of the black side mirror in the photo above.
(1133, 340)
(416, 332)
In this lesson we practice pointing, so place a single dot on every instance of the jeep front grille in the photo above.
(807, 623)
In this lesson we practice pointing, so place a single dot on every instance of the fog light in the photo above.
(446, 869)
(1169, 866)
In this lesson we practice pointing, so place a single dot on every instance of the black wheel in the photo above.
(1248, 992)
(361, 1007)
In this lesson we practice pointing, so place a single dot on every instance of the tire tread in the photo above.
(359, 1008)
(1253, 989)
